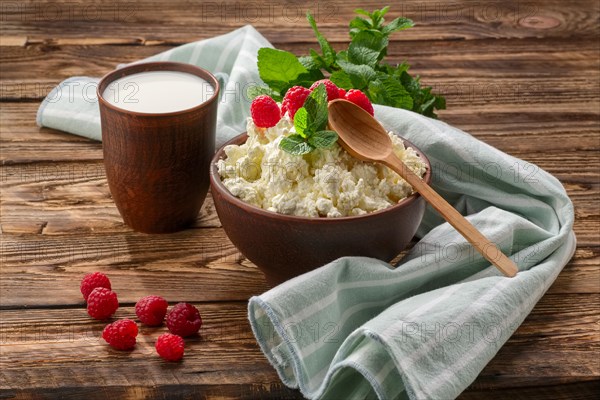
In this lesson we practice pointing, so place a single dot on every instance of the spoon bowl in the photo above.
(374, 145)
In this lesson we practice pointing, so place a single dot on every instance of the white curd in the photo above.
(324, 183)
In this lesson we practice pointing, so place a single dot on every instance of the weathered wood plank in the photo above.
(270, 389)
(51, 344)
(545, 388)
(493, 59)
(581, 274)
(196, 264)
(71, 197)
(87, 208)
(55, 349)
(281, 21)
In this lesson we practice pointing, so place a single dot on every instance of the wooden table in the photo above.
(521, 76)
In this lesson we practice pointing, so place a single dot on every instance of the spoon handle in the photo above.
(460, 223)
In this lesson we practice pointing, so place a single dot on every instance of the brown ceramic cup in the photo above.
(157, 164)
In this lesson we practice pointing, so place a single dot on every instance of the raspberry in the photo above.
(121, 334)
(293, 100)
(151, 310)
(265, 112)
(184, 319)
(333, 92)
(342, 93)
(170, 347)
(102, 303)
(360, 99)
(92, 281)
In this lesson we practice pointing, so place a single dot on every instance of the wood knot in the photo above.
(539, 22)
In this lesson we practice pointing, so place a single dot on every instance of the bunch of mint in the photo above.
(310, 122)
(361, 67)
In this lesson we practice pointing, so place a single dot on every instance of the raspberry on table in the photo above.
(265, 111)
(293, 100)
(102, 303)
(170, 347)
(342, 93)
(184, 319)
(333, 92)
(121, 334)
(151, 310)
(92, 281)
(360, 99)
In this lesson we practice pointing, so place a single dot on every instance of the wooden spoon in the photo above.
(364, 138)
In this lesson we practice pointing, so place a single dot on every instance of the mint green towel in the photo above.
(358, 328)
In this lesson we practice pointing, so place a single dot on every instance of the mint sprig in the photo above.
(310, 122)
(361, 66)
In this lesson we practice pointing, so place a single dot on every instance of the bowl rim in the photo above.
(217, 184)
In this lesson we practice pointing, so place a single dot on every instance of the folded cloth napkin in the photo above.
(358, 328)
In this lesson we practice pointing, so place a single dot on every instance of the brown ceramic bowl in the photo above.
(285, 246)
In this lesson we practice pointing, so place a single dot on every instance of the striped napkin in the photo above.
(360, 328)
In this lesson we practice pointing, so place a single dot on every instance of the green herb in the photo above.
(361, 66)
(310, 123)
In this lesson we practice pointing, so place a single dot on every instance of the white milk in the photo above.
(158, 92)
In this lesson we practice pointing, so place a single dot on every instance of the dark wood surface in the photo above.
(521, 76)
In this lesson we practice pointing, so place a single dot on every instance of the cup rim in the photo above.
(157, 66)
(217, 183)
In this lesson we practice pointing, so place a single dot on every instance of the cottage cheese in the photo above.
(324, 183)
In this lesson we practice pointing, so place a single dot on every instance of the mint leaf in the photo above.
(301, 121)
(388, 90)
(323, 139)
(326, 49)
(360, 75)
(396, 94)
(358, 24)
(397, 25)
(317, 59)
(377, 16)
(310, 122)
(309, 63)
(278, 68)
(257, 90)
(341, 79)
(367, 48)
(308, 78)
(316, 107)
(363, 12)
(363, 55)
(295, 144)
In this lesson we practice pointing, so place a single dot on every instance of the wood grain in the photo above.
(196, 264)
(62, 350)
(521, 76)
(527, 52)
(149, 21)
(208, 268)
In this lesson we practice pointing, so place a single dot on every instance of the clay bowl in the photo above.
(284, 246)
